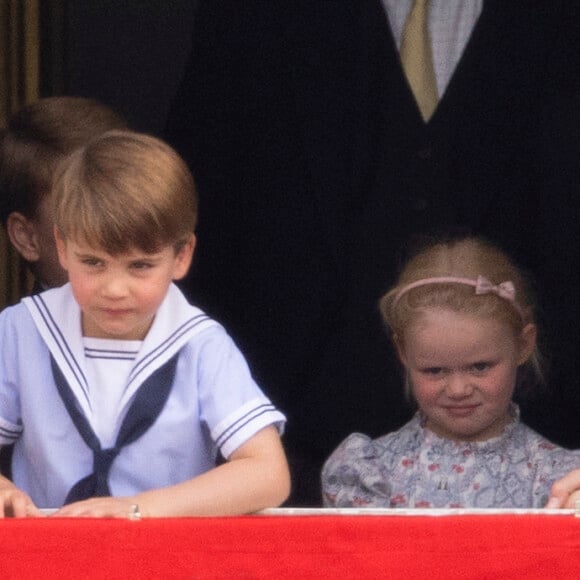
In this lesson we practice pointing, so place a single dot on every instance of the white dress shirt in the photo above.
(451, 23)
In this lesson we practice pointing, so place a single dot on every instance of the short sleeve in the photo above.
(10, 424)
(231, 403)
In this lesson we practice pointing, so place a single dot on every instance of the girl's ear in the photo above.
(400, 349)
(528, 339)
(403, 358)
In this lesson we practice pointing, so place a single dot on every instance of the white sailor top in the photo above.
(213, 404)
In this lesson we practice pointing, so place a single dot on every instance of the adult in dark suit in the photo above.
(315, 168)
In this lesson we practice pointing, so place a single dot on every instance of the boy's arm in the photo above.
(255, 477)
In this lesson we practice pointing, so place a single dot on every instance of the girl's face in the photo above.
(462, 370)
(119, 295)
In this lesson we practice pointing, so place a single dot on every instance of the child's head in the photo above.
(35, 141)
(123, 191)
(462, 320)
(125, 211)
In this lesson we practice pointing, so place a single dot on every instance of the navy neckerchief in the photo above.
(149, 400)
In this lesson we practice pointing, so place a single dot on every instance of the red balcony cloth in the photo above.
(450, 547)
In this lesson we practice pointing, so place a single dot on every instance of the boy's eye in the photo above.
(141, 265)
(91, 261)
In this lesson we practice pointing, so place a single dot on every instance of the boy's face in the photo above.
(119, 295)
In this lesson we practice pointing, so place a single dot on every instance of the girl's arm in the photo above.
(255, 477)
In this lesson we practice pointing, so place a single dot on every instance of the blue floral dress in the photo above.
(413, 467)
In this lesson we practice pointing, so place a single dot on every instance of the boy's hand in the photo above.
(15, 503)
(565, 492)
(101, 507)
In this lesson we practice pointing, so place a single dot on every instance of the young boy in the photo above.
(132, 391)
(36, 139)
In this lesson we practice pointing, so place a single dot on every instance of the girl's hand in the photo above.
(565, 492)
(15, 503)
(101, 507)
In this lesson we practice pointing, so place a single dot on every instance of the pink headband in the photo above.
(505, 290)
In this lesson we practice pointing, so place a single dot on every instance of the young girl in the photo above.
(463, 324)
(116, 392)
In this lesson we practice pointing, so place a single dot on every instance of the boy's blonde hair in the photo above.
(465, 258)
(125, 190)
(35, 141)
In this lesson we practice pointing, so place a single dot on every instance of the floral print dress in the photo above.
(414, 468)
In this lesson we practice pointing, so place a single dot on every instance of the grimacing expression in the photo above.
(462, 369)
(120, 295)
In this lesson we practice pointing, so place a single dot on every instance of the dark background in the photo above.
(129, 54)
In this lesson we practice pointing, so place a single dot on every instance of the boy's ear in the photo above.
(60, 248)
(528, 339)
(184, 258)
(23, 236)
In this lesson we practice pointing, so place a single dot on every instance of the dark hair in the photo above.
(37, 138)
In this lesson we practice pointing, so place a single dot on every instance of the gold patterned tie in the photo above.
(417, 58)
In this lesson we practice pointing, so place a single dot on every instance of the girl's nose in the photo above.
(458, 386)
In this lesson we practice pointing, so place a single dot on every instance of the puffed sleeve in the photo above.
(353, 477)
(555, 464)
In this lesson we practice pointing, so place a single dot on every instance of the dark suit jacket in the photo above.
(315, 170)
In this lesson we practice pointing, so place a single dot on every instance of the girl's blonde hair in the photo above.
(125, 190)
(467, 258)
